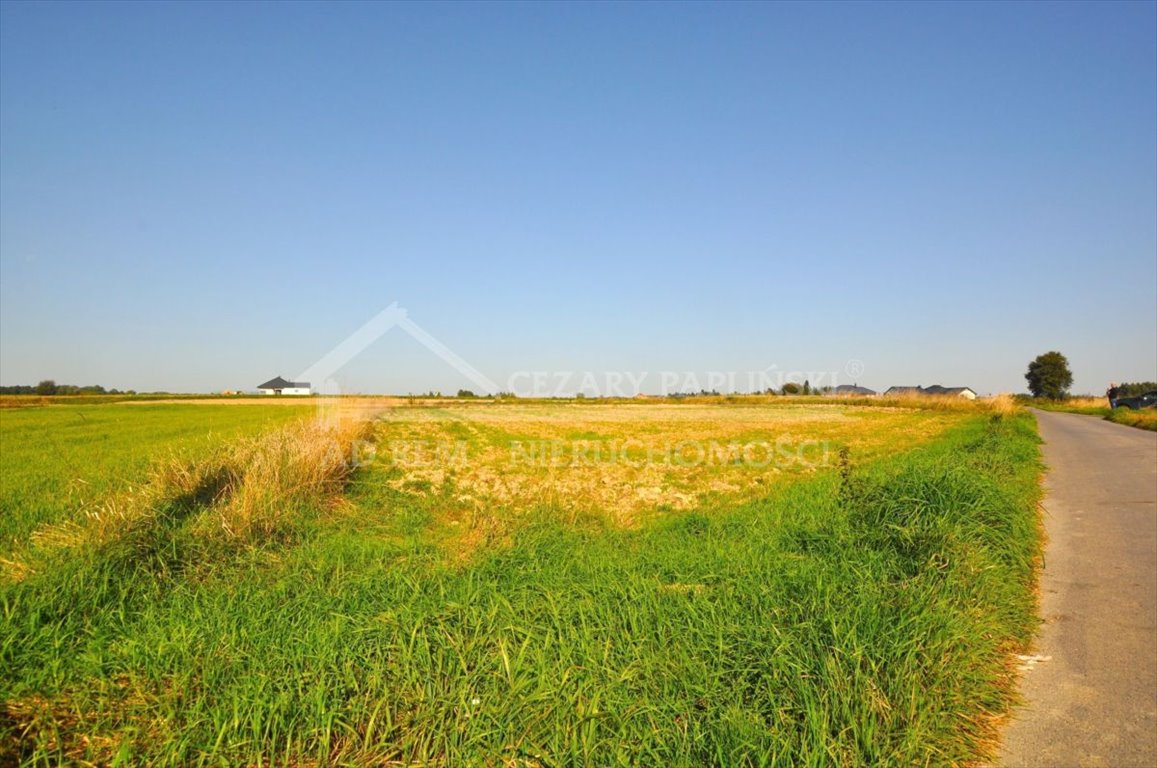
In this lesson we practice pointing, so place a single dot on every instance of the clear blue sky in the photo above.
(200, 196)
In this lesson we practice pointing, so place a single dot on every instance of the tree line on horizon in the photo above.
(1130, 389)
(49, 387)
(789, 388)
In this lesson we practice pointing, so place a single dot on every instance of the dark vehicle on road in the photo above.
(1147, 400)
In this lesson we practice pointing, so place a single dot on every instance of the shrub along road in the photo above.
(1091, 689)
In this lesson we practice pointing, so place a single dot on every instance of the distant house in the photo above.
(935, 389)
(846, 390)
(279, 386)
(964, 392)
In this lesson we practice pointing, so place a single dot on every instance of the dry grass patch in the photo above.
(487, 463)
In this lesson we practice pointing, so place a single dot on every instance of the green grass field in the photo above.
(855, 610)
(58, 460)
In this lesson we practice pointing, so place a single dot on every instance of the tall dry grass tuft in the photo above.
(245, 491)
(1085, 401)
(928, 402)
(278, 473)
(1004, 404)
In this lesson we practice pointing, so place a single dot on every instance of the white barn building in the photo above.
(279, 386)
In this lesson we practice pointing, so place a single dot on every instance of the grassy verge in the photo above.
(1095, 406)
(1090, 406)
(1146, 419)
(859, 616)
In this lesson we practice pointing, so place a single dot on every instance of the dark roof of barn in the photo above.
(280, 383)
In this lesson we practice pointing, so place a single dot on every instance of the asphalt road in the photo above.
(1091, 689)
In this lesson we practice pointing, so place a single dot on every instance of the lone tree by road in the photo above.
(1049, 376)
